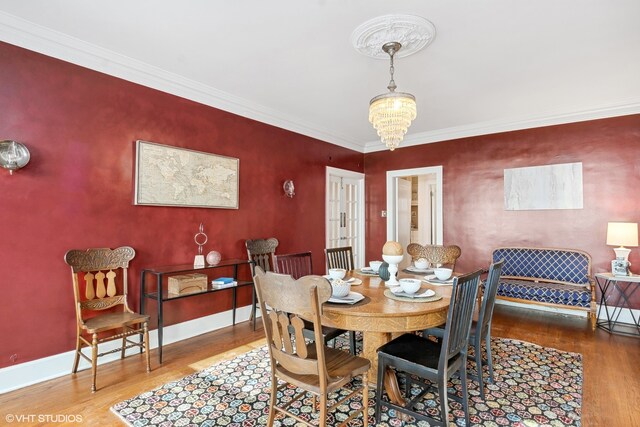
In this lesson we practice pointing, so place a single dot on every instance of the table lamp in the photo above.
(623, 234)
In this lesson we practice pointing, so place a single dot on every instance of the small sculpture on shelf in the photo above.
(200, 239)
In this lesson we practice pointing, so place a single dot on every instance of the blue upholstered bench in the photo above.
(552, 277)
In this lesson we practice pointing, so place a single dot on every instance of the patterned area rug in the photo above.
(534, 386)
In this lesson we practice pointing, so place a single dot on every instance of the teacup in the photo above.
(421, 263)
(340, 288)
(443, 273)
(337, 273)
(375, 265)
(410, 286)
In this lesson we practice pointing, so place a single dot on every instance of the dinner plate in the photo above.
(422, 293)
(431, 278)
(352, 298)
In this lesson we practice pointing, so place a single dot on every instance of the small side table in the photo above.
(625, 286)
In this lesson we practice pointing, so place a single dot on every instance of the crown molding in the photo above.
(624, 108)
(26, 34)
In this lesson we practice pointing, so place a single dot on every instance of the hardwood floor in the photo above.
(611, 375)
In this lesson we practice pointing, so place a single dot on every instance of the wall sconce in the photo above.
(289, 188)
(13, 155)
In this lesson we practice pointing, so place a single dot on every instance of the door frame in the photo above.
(344, 173)
(392, 176)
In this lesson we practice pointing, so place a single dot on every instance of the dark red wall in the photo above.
(81, 127)
(473, 189)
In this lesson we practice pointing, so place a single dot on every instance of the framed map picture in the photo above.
(171, 176)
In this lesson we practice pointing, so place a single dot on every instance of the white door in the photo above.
(345, 212)
(403, 218)
(436, 201)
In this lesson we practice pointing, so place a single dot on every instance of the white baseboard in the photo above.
(626, 314)
(35, 371)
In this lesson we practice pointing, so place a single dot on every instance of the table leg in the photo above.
(371, 341)
(143, 303)
(234, 305)
(160, 317)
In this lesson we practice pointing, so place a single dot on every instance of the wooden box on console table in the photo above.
(187, 284)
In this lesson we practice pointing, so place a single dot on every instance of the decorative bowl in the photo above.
(421, 263)
(375, 265)
(410, 286)
(340, 288)
(337, 273)
(443, 273)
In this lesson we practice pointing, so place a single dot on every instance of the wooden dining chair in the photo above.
(261, 253)
(298, 265)
(436, 255)
(418, 358)
(481, 329)
(102, 311)
(314, 367)
(340, 258)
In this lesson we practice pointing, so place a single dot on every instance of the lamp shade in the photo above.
(622, 234)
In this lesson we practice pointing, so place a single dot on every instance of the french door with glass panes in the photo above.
(345, 212)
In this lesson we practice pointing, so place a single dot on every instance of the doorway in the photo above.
(414, 207)
(345, 212)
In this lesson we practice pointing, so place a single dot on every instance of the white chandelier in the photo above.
(391, 113)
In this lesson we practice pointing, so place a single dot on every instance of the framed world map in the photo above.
(171, 176)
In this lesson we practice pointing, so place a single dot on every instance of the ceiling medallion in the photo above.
(412, 32)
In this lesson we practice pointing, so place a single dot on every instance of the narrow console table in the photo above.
(625, 286)
(160, 293)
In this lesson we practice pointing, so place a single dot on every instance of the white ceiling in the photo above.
(495, 65)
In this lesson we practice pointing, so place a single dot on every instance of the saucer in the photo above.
(422, 293)
(431, 279)
(352, 298)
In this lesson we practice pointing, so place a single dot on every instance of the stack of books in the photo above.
(223, 282)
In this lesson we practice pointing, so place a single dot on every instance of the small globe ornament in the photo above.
(213, 257)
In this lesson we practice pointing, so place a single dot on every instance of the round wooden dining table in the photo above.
(380, 318)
